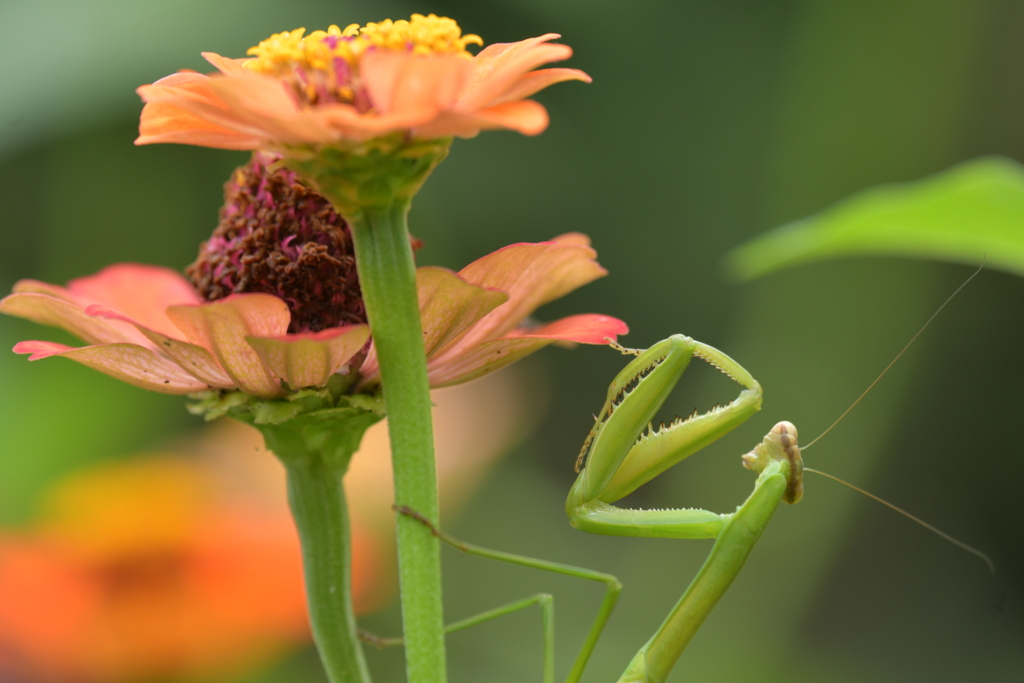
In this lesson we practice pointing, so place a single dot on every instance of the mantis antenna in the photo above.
(898, 355)
(926, 525)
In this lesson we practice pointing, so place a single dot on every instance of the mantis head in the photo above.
(780, 444)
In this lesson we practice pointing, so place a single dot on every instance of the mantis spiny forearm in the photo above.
(618, 457)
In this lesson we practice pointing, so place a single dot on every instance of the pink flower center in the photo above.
(279, 236)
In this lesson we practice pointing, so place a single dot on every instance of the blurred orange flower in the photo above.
(146, 567)
(187, 565)
(354, 84)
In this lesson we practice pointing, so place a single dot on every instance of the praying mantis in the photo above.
(622, 452)
(617, 457)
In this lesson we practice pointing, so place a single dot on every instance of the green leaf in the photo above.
(969, 212)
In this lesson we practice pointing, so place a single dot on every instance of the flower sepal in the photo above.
(325, 423)
(356, 176)
(331, 436)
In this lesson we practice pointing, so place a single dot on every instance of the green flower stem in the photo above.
(314, 433)
(387, 276)
(317, 499)
(372, 184)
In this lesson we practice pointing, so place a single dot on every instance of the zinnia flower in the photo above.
(148, 326)
(156, 568)
(354, 84)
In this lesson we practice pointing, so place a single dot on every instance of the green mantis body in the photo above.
(619, 456)
(622, 452)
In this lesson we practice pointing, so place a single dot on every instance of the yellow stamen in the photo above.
(281, 53)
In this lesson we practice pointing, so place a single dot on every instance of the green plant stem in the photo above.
(317, 499)
(387, 276)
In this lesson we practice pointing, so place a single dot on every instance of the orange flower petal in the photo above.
(526, 117)
(242, 106)
(492, 56)
(141, 292)
(127, 362)
(585, 328)
(309, 360)
(498, 66)
(221, 328)
(244, 111)
(195, 360)
(261, 103)
(449, 306)
(493, 355)
(535, 81)
(400, 81)
(532, 274)
(433, 95)
(199, 100)
(48, 310)
(162, 122)
(226, 65)
(347, 122)
(184, 108)
(222, 103)
(578, 239)
(184, 85)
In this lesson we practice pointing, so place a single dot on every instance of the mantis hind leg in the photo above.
(547, 614)
(611, 595)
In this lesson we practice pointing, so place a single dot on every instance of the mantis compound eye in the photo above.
(787, 439)
(787, 433)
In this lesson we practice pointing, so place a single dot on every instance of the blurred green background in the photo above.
(706, 124)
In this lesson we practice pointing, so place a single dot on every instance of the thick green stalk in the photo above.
(387, 276)
(318, 505)
(314, 433)
(372, 184)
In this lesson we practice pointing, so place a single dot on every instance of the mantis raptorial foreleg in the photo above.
(618, 456)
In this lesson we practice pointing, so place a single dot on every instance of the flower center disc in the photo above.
(324, 66)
